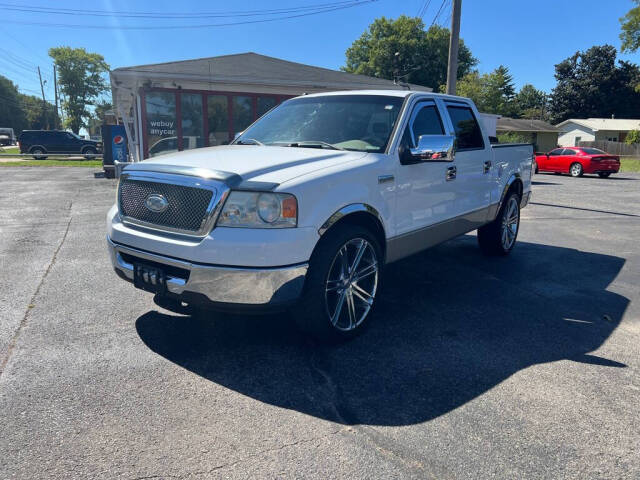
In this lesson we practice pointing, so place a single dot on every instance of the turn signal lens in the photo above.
(289, 207)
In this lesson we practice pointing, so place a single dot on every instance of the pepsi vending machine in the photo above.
(114, 147)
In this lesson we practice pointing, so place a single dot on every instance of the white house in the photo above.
(577, 130)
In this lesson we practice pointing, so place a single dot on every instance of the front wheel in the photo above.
(575, 170)
(89, 153)
(604, 174)
(341, 285)
(499, 236)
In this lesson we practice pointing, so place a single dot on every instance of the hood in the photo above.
(259, 163)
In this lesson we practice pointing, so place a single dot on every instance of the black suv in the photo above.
(40, 142)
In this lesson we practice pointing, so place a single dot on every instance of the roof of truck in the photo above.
(388, 93)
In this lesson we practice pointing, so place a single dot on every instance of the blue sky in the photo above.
(529, 37)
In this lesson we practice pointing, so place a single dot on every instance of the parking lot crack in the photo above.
(27, 313)
(268, 450)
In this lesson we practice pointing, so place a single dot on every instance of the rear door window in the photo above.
(568, 151)
(466, 126)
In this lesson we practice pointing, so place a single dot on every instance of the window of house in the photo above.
(264, 105)
(467, 130)
(161, 122)
(218, 119)
(191, 106)
(242, 113)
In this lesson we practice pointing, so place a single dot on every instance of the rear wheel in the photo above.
(604, 174)
(38, 153)
(499, 236)
(575, 170)
(341, 285)
(89, 153)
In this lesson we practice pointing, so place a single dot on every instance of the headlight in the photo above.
(259, 210)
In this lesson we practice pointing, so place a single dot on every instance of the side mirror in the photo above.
(432, 148)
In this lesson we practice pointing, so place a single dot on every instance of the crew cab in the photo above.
(578, 160)
(307, 205)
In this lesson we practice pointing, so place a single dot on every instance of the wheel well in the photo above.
(33, 147)
(368, 221)
(517, 187)
(88, 147)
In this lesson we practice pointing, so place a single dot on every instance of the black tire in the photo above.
(604, 174)
(38, 152)
(311, 313)
(89, 152)
(575, 170)
(490, 236)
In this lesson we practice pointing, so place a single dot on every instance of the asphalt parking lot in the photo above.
(519, 367)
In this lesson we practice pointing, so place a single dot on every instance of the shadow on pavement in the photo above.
(451, 324)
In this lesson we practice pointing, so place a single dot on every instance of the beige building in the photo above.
(205, 102)
(574, 131)
(541, 134)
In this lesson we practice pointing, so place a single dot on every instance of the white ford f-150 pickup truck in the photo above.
(307, 205)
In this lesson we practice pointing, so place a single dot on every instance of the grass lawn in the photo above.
(9, 150)
(53, 163)
(630, 164)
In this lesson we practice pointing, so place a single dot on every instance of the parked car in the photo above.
(577, 161)
(39, 143)
(7, 137)
(304, 209)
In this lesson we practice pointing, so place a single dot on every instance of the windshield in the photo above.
(349, 122)
(592, 151)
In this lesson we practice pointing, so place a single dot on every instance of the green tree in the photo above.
(81, 76)
(531, 102)
(96, 119)
(633, 137)
(590, 84)
(403, 48)
(38, 116)
(630, 34)
(11, 111)
(492, 92)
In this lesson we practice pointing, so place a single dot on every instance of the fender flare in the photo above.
(507, 186)
(348, 210)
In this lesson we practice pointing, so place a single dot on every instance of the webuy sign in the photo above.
(161, 128)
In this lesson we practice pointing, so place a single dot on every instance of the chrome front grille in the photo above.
(190, 202)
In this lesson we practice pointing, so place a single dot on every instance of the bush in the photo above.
(633, 137)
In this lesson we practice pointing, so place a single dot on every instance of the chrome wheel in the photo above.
(510, 223)
(351, 284)
(576, 170)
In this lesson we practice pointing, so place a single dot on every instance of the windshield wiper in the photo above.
(249, 141)
(314, 144)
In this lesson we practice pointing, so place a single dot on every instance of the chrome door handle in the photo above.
(385, 178)
(451, 173)
(487, 166)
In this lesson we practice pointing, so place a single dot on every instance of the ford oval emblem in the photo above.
(156, 203)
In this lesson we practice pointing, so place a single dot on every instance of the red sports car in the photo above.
(578, 160)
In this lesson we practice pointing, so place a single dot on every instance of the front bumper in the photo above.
(194, 282)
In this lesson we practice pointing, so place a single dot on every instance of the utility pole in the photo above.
(452, 71)
(44, 102)
(55, 89)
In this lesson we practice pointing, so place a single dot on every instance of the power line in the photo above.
(173, 27)
(172, 15)
(424, 9)
(438, 13)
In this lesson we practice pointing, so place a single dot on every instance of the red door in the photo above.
(565, 160)
(552, 162)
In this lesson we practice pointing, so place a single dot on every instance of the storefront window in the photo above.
(265, 104)
(191, 105)
(161, 122)
(218, 119)
(242, 113)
